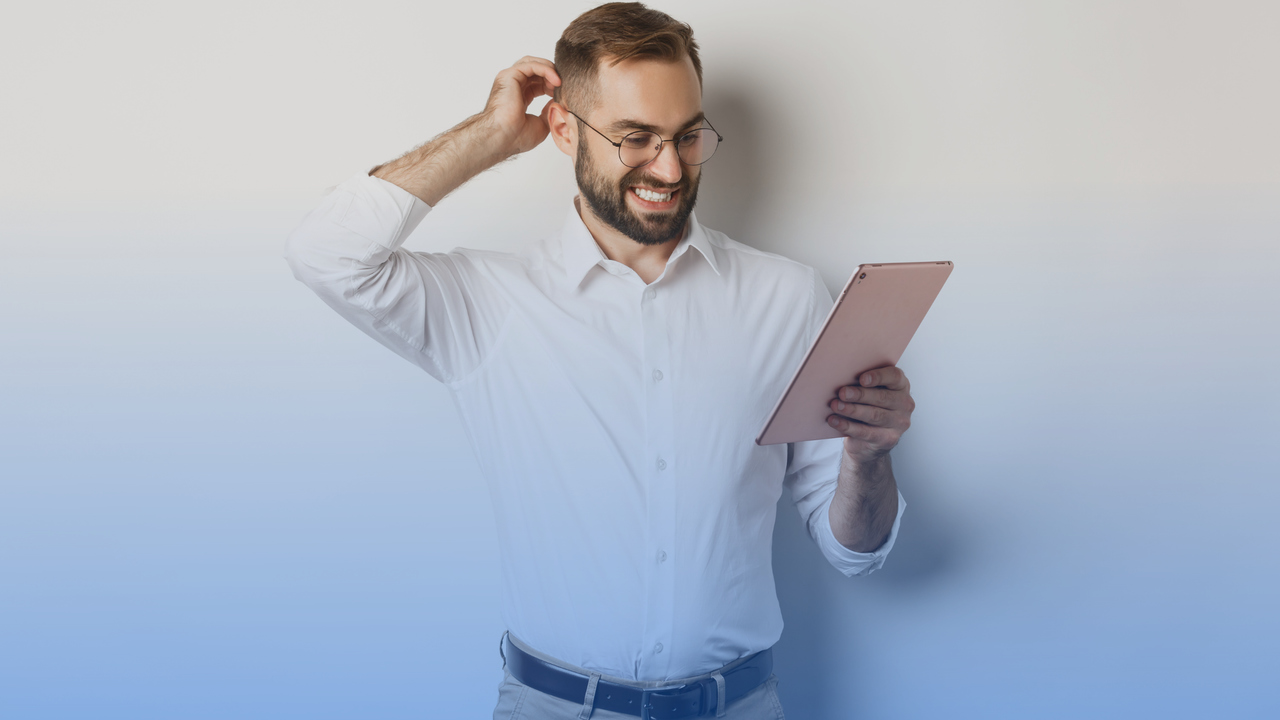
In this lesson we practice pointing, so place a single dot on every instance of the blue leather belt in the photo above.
(664, 703)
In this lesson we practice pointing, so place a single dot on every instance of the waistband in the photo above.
(692, 696)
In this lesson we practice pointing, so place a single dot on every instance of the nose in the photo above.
(667, 166)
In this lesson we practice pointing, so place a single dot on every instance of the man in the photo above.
(611, 379)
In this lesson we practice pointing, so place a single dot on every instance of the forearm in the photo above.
(865, 504)
(438, 167)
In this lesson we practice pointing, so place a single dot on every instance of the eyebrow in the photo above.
(627, 123)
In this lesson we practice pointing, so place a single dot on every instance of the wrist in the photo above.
(468, 148)
(861, 474)
(860, 457)
(484, 140)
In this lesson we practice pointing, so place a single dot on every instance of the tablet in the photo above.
(869, 326)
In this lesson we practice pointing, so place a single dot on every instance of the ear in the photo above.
(564, 132)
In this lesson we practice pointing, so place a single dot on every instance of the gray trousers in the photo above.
(517, 700)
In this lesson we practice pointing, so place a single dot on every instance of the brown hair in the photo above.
(618, 31)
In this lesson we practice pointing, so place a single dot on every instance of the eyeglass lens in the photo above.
(694, 147)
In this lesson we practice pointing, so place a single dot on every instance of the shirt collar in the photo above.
(580, 251)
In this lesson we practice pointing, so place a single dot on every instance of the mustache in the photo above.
(640, 179)
(626, 186)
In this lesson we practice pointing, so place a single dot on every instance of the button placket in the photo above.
(662, 480)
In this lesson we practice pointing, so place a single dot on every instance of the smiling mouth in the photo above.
(654, 198)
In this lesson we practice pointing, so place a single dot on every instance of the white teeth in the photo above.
(652, 196)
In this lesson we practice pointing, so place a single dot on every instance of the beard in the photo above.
(608, 200)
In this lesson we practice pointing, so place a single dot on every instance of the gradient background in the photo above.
(221, 501)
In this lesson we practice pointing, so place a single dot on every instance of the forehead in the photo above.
(656, 92)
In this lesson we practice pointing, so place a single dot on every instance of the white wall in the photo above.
(219, 500)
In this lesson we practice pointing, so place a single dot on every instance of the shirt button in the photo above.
(662, 556)
(657, 648)
(662, 464)
(651, 293)
(657, 375)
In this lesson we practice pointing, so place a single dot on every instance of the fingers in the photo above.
(535, 72)
(855, 430)
(871, 415)
(875, 412)
(516, 87)
(883, 399)
(888, 377)
(880, 397)
(540, 62)
(877, 438)
(536, 88)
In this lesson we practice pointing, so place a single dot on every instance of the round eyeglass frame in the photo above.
(661, 142)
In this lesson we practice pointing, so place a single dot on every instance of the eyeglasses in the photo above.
(642, 147)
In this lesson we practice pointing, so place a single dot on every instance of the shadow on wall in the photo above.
(733, 183)
(817, 601)
(823, 610)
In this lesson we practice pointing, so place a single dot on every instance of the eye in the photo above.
(639, 141)
(690, 138)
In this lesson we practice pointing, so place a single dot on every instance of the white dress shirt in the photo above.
(613, 420)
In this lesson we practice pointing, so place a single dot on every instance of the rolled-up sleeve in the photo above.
(812, 475)
(813, 471)
(432, 309)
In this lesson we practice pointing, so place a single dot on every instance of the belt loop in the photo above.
(720, 708)
(589, 702)
(501, 650)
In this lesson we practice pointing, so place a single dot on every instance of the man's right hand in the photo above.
(501, 130)
(513, 91)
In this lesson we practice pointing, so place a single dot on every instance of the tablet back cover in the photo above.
(868, 327)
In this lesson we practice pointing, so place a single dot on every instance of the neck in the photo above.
(647, 261)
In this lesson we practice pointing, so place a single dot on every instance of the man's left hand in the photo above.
(874, 413)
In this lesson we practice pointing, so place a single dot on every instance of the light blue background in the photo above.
(218, 500)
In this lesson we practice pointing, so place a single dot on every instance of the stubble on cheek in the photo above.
(609, 203)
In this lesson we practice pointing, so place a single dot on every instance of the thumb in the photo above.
(535, 130)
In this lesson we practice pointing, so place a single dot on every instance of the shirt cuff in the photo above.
(849, 561)
(380, 211)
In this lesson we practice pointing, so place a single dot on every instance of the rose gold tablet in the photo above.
(868, 327)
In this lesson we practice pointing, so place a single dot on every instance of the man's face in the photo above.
(641, 94)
